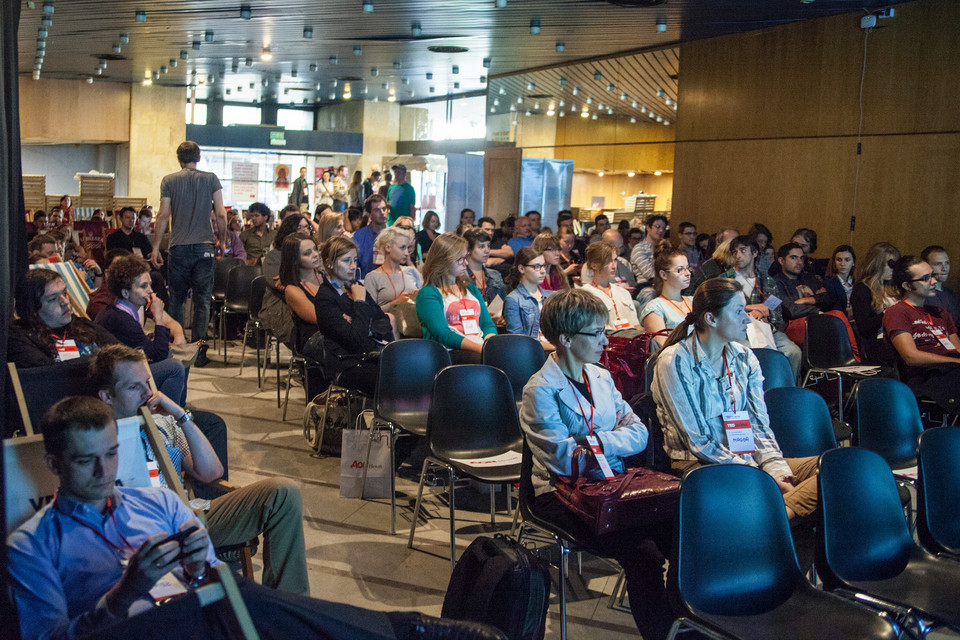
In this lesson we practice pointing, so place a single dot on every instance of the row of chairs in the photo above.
(738, 574)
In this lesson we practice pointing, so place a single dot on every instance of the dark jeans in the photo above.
(190, 266)
(339, 206)
(214, 429)
(641, 553)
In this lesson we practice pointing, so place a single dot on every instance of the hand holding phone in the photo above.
(179, 537)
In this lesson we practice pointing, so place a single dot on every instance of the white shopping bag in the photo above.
(760, 335)
(365, 469)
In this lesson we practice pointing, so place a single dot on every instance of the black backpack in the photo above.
(500, 583)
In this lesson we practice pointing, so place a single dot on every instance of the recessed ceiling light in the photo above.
(661, 23)
(116, 47)
(486, 63)
(397, 65)
(368, 6)
(174, 62)
(124, 38)
(208, 36)
(358, 50)
(633, 120)
(535, 26)
(184, 54)
(308, 32)
(313, 68)
(658, 173)
(429, 75)
(196, 45)
(141, 16)
(416, 30)
(455, 70)
(560, 47)
(576, 91)
(265, 55)
(374, 71)
(333, 60)
(245, 12)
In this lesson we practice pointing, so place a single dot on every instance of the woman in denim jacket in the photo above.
(521, 309)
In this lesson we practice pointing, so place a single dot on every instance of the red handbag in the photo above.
(625, 358)
(631, 499)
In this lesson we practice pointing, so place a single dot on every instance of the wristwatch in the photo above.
(185, 418)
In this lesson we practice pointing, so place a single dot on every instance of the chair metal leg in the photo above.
(278, 372)
(616, 589)
(393, 480)
(840, 398)
(516, 518)
(453, 522)
(286, 397)
(416, 509)
(259, 384)
(562, 579)
(493, 505)
(243, 346)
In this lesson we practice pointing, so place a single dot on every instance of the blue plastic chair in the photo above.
(800, 420)
(776, 369)
(938, 491)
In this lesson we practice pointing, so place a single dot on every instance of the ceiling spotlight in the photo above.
(46, 20)
(286, 92)
(265, 55)
(593, 117)
(208, 36)
(562, 81)
(531, 86)
(433, 89)
(651, 114)
(456, 85)
(660, 93)
(228, 91)
(668, 101)
(674, 106)
(600, 173)
(124, 38)
(358, 50)
(252, 85)
(397, 65)
(486, 63)
(411, 93)
(584, 114)
(492, 110)
(293, 73)
(502, 91)
(496, 102)
(184, 54)
(536, 105)
(562, 113)
(174, 62)
(550, 111)
(535, 26)
(415, 29)
(374, 71)
(513, 107)
(576, 91)
(156, 75)
(147, 82)
(41, 44)
(245, 12)
(163, 68)
(385, 85)
(368, 6)
(643, 109)
(196, 45)
(560, 47)
(661, 23)
(623, 96)
(633, 120)
(597, 75)
(429, 75)
(346, 94)
(308, 32)
(141, 16)
(103, 64)
(90, 80)
(235, 65)
(333, 82)
(456, 69)
(313, 68)
(520, 100)
(405, 80)
(658, 173)
(333, 96)
(630, 174)
(666, 122)
(333, 60)
(391, 98)
(99, 71)
(500, 4)
(634, 104)
(610, 86)
(589, 100)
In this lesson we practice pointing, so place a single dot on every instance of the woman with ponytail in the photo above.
(709, 393)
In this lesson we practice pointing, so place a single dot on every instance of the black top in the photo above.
(128, 331)
(119, 240)
(423, 239)
(867, 323)
(26, 349)
(355, 337)
(302, 330)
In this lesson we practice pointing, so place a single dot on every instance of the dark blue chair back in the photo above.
(801, 421)
(938, 490)
(887, 421)
(827, 343)
(405, 382)
(720, 504)
(516, 355)
(776, 369)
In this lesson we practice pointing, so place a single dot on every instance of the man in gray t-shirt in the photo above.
(187, 199)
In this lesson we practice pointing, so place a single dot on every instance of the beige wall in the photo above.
(157, 127)
(381, 130)
(768, 122)
(345, 116)
(72, 111)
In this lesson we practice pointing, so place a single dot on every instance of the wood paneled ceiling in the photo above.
(387, 52)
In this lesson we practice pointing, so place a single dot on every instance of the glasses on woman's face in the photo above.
(591, 334)
(680, 270)
(303, 226)
(462, 260)
(538, 267)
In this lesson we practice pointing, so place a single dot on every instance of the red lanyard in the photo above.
(403, 282)
(576, 394)
(929, 317)
(733, 399)
(677, 307)
(609, 294)
(100, 535)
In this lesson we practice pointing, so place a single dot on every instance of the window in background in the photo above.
(240, 115)
(467, 118)
(199, 113)
(296, 119)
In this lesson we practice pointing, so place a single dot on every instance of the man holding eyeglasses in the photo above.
(688, 243)
(761, 293)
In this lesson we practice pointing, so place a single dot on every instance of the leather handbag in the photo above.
(625, 358)
(634, 498)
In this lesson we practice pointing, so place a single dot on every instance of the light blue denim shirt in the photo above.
(521, 311)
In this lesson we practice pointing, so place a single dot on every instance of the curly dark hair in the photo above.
(123, 272)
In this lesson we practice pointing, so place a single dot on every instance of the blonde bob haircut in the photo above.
(389, 236)
(569, 311)
(446, 249)
(328, 222)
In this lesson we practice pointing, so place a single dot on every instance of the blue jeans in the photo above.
(170, 377)
(191, 266)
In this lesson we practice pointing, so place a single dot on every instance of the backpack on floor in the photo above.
(500, 583)
(339, 415)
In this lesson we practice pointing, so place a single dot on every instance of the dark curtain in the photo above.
(13, 242)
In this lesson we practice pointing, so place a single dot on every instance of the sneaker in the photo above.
(202, 359)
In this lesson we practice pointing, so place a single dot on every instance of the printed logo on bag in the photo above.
(357, 464)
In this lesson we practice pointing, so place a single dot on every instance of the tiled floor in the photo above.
(351, 555)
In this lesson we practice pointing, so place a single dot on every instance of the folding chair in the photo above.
(39, 388)
(77, 289)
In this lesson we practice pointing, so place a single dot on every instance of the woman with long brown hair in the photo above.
(450, 308)
(709, 393)
(671, 275)
(548, 245)
(872, 294)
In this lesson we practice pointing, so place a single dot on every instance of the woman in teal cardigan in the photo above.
(450, 308)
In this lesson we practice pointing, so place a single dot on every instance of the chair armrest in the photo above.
(223, 485)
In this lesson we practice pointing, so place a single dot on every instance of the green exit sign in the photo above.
(277, 139)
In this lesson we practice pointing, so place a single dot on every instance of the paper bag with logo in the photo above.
(365, 468)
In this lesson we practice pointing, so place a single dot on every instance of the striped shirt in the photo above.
(691, 397)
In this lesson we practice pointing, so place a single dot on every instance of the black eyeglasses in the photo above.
(929, 276)
(594, 334)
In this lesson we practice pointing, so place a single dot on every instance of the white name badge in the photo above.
(67, 350)
(772, 302)
(601, 459)
(621, 324)
(942, 337)
(739, 432)
(154, 472)
(470, 322)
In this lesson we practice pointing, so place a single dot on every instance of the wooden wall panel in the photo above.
(768, 122)
(72, 111)
(501, 182)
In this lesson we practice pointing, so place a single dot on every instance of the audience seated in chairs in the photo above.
(523, 305)
(570, 397)
(394, 284)
(872, 294)
(937, 257)
(276, 316)
(488, 281)
(555, 279)
(300, 279)
(839, 281)
(270, 507)
(46, 331)
(669, 308)
(128, 279)
(708, 388)
(924, 336)
(75, 571)
(451, 309)
(621, 312)
(353, 325)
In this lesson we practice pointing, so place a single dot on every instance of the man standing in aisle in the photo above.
(186, 199)
(300, 196)
(340, 189)
(401, 196)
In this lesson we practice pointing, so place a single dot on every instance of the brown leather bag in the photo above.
(634, 498)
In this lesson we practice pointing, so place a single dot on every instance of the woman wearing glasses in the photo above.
(568, 402)
(523, 305)
(450, 308)
(669, 308)
(602, 261)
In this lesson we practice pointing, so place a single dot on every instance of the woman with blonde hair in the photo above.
(330, 226)
(451, 309)
(548, 245)
(871, 295)
(394, 284)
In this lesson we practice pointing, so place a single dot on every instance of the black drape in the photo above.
(13, 242)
